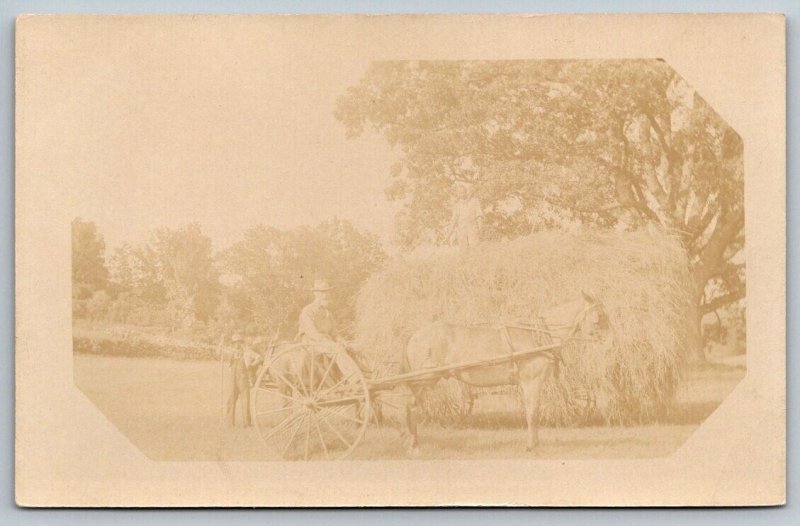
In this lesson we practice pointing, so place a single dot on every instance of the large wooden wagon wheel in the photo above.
(311, 402)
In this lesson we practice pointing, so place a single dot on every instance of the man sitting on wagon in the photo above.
(318, 326)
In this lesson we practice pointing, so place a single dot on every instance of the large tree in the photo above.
(601, 142)
(184, 263)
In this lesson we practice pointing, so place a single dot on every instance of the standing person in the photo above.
(240, 359)
(466, 221)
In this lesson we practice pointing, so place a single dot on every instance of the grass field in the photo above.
(171, 410)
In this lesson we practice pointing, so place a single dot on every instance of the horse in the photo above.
(441, 344)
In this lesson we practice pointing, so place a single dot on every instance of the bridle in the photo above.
(579, 319)
(575, 326)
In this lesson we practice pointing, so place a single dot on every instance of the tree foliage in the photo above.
(257, 285)
(133, 270)
(173, 270)
(183, 258)
(89, 272)
(606, 143)
(273, 270)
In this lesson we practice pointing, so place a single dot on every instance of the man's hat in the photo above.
(321, 285)
(237, 338)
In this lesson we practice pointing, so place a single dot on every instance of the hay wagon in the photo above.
(314, 402)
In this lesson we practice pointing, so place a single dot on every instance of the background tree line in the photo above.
(176, 282)
(606, 143)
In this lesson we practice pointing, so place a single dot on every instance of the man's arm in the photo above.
(226, 353)
(251, 358)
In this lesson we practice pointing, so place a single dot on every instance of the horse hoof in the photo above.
(414, 451)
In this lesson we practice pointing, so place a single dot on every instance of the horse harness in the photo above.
(505, 336)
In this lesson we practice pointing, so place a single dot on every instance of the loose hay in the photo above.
(641, 277)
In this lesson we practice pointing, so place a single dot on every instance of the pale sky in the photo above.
(196, 122)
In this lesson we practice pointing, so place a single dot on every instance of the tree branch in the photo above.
(625, 181)
(698, 227)
(655, 188)
(724, 268)
(723, 300)
(727, 230)
(664, 199)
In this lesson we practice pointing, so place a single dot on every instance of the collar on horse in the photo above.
(554, 354)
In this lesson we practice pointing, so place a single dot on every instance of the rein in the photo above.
(575, 326)
(572, 335)
(551, 328)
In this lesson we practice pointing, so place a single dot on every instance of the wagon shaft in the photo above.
(445, 370)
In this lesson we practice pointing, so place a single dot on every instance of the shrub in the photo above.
(135, 344)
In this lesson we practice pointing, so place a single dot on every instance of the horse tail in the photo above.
(411, 339)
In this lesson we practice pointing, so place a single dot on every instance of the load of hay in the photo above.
(641, 277)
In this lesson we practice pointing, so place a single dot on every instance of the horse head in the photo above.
(591, 323)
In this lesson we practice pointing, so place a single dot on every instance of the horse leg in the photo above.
(531, 393)
(412, 409)
(469, 401)
(377, 410)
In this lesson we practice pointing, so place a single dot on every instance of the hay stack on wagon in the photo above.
(641, 277)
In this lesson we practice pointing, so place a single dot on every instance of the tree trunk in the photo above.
(695, 351)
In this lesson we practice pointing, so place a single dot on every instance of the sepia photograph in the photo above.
(552, 244)
(289, 250)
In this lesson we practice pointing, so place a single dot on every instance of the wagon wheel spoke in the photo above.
(282, 425)
(292, 437)
(325, 374)
(308, 436)
(280, 437)
(342, 381)
(354, 398)
(342, 415)
(322, 440)
(302, 388)
(311, 368)
(272, 411)
(291, 386)
(347, 444)
(276, 392)
(305, 389)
